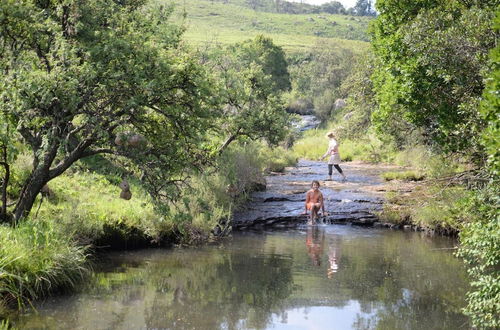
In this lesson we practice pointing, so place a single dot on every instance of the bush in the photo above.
(480, 240)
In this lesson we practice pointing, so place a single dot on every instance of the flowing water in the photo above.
(322, 277)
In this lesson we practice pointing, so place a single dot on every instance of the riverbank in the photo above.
(50, 251)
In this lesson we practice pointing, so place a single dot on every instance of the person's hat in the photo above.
(330, 134)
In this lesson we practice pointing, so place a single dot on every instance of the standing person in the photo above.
(314, 202)
(334, 159)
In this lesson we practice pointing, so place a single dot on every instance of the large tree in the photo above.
(431, 58)
(251, 77)
(81, 78)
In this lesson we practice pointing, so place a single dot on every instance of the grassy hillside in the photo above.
(211, 21)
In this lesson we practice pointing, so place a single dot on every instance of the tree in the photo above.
(82, 78)
(253, 3)
(319, 76)
(333, 7)
(431, 56)
(251, 76)
(480, 237)
(270, 57)
(364, 8)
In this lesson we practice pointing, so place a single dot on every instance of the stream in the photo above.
(274, 272)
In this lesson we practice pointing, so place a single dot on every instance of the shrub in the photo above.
(480, 238)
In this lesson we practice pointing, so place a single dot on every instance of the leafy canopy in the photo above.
(77, 74)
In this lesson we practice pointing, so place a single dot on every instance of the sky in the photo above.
(346, 3)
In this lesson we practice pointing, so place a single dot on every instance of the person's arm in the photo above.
(326, 153)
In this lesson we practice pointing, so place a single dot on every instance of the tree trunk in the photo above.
(39, 176)
(230, 139)
(3, 214)
(29, 192)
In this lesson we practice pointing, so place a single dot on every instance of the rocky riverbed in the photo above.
(355, 201)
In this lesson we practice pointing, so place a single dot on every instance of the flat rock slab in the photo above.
(355, 201)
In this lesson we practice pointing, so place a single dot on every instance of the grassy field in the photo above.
(216, 22)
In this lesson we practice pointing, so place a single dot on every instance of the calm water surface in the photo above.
(326, 277)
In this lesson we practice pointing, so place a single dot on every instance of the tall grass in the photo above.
(314, 144)
(4, 325)
(36, 258)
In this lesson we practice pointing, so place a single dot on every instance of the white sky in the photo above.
(346, 3)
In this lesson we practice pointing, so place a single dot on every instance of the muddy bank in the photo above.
(356, 201)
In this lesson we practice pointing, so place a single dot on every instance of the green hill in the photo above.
(219, 22)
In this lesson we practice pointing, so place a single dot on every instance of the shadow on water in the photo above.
(326, 277)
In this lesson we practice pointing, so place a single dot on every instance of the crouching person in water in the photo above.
(314, 202)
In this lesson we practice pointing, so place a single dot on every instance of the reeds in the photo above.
(35, 259)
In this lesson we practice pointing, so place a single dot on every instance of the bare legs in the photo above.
(314, 213)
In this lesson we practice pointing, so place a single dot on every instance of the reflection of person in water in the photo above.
(315, 242)
(333, 258)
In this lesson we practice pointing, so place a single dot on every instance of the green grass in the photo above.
(314, 144)
(432, 206)
(4, 325)
(215, 22)
(87, 205)
(36, 258)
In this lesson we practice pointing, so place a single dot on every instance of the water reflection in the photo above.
(333, 256)
(315, 241)
(342, 278)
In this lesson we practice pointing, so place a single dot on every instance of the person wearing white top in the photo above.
(334, 159)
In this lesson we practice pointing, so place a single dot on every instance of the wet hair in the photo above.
(315, 181)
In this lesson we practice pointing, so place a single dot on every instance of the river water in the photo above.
(322, 277)
(333, 276)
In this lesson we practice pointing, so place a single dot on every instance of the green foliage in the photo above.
(358, 88)
(4, 324)
(480, 240)
(37, 258)
(443, 209)
(74, 87)
(429, 75)
(364, 8)
(263, 52)
(87, 207)
(318, 75)
(490, 109)
(433, 206)
(430, 164)
(249, 77)
(480, 237)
